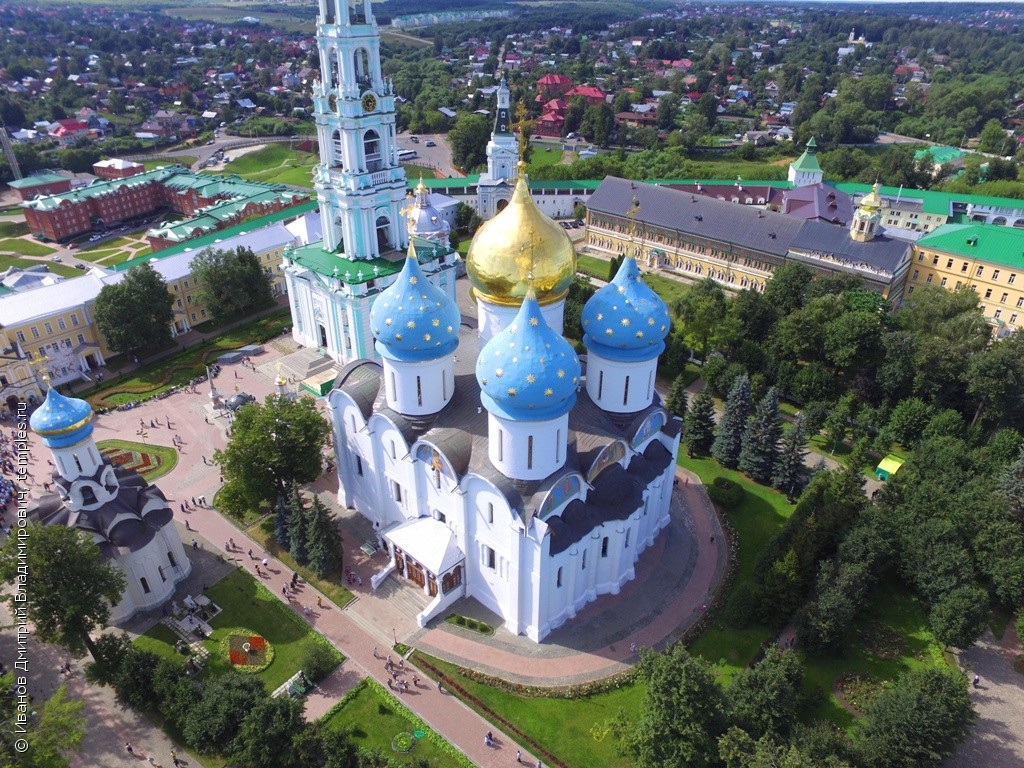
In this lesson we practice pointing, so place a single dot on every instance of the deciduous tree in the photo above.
(273, 445)
(231, 282)
(72, 584)
(135, 314)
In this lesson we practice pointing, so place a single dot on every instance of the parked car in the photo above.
(414, 139)
(80, 265)
(429, 143)
(55, 258)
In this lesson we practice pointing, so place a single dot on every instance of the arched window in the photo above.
(371, 151)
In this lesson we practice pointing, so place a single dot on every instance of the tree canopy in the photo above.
(231, 282)
(273, 445)
(73, 585)
(136, 313)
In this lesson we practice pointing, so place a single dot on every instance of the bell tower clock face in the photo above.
(369, 102)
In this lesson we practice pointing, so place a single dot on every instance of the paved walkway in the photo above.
(997, 740)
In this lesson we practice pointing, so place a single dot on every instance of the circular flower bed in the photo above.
(855, 690)
(248, 652)
(403, 742)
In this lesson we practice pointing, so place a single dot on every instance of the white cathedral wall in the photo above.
(493, 586)
(353, 451)
(397, 484)
(527, 450)
(620, 387)
(145, 563)
(419, 387)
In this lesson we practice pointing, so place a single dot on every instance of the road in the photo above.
(438, 157)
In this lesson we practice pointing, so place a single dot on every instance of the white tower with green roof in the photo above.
(805, 171)
(361, 190)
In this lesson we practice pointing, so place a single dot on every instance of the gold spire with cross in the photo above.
(522, 127)
(42, 369)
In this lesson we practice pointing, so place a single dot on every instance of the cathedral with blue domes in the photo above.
(128, 519)
(494, 462)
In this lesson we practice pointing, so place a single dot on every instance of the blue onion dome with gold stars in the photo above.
(527, 372)
(626, 320)
(412, 319)
(62, 421)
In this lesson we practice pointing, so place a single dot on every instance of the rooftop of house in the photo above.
(988, 242)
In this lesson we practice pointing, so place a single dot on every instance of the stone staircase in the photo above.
(304, 363)
(403, 596)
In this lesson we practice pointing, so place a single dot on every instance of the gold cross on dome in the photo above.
(522, 127)
(527, 259)
(405, 213)
(44, 372)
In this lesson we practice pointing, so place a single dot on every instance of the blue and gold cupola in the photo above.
(412, 319)
(527, 372)
(626, 320)
(62, 421)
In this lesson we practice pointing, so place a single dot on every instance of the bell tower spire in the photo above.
(359, 181)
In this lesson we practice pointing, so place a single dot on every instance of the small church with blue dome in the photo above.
(494, 461)
(128, 519)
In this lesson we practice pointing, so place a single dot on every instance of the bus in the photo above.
(405, 155)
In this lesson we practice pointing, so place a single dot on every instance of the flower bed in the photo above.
(856, 690)
(471, 624)
(249, 653)
(881, 641)
(403, 742)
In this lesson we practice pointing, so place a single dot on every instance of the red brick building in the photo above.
(40, 184)
(221, 200)
(552, 86)
(115, 168)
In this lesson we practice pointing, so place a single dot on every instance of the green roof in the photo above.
(808, 161)
(358, 271)
(221, 234)
(988, 242)
(940, 154)
(98, 188)
(37, 179)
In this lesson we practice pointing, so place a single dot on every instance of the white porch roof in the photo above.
(429, 542)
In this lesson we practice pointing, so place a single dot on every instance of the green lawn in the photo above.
(181, 367)
(64, 270)
(593, 266)
(13, 228)
(893, 607)
(760, 516)
(543, 156)
(94, 256)
(162, 458)
(275, 163)
(25, 247)
(415, 172)
(159, 640)
(106, 245)
(574, 730)
(373, 718)
(247, 607)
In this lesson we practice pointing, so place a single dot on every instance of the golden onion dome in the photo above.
(519, 243)
(872, 200)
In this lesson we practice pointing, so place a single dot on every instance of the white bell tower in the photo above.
(503, 148)
(359, 181)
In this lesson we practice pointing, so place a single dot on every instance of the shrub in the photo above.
(726, 493)
(318, 661)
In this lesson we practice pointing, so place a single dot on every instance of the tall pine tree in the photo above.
(761, 439)
(790, 463)
(322, 540)
(281, 520)
(676, 401)
(298, 518)
(699, 426)
(729, 435)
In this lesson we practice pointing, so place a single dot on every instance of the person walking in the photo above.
(319, 602)
(977, 680)
(265, 562)
(129, 748)
(519, 757)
